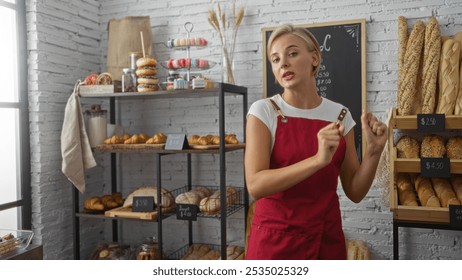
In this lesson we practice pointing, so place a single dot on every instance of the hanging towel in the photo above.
(75, 146)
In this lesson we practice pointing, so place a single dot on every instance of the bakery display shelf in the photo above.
(159, 149)
(410, 122)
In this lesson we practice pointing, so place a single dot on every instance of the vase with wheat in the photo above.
(227, 26)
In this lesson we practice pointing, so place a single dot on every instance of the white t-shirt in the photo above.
(327, 111)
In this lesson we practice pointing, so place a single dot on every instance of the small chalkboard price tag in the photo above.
(186, 212)
(435, 167)
(143, 204)
(431, 122)
(455, 215)
(176, 141)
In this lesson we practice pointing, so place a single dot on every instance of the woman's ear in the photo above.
(315, 59)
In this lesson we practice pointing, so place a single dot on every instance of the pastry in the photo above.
(433, 147)
(146, 74)
(231, 139)
(94, 203)
(193, 139)
(408, 147)
(454, 147)
(158, 138)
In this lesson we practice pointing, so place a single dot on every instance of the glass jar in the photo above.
(127, 81)
(134, 56)
(148, 250)
(96, 125)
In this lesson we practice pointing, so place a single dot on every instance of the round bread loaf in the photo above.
(146, 61)
(188, 198)
(433, 147)
(408, 147)
(454, 147)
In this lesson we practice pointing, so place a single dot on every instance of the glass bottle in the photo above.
(127, 81)
(148, 250)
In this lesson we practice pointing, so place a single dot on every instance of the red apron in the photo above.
(303, 222)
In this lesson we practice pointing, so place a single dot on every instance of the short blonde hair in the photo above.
(311, 43)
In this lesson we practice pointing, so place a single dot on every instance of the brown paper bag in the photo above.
(123, 38)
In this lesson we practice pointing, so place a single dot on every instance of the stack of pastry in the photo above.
(105, 202)
(146, 74)
(212, 139)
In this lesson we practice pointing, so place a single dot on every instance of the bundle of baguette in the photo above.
(141, 138)
(103, 203)
(205, 252)
(432, 192)
(167, 200)
(429, 69)
(212, 139)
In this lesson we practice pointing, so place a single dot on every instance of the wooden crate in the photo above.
(398, 165)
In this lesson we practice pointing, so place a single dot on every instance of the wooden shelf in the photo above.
(142, 149)
(410, 122)
(413, 165)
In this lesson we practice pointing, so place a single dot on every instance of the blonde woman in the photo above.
(295, 152)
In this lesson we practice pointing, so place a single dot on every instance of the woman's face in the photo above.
(291, 61)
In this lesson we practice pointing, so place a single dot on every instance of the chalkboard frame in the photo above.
(266, 32)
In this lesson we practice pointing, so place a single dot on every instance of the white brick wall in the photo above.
(68, 39)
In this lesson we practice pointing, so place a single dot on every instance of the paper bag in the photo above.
(123, 38)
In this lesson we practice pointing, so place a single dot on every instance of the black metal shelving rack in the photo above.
(222, 90)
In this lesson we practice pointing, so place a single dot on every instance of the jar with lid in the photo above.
(134, 56)
(96, 125)
(128, 84)
(148, 250)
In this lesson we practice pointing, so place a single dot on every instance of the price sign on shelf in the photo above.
(176, 141)
(143, 204)
(455, 215)
(431, 122)
(435, 167)
(186, 212)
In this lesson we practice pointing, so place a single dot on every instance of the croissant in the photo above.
(143, 137)
(194, 139)
(137, 139)
(114, 140)
(117, 196)
(205, 140)
(158, 138)
(231, 139)
(126, 136)
(93, 203)
(108, 202)
(215, 140)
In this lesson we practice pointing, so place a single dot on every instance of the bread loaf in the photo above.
(167, 200)
(94, 203)
(407, 90)
(431, 60)
(456, 181)
(433, 147)
(402, 41)
(458, 105)
(425, 192)
(406, 194)
(211, 204)
(357, 250)
(448, 77)
(408, 147)
(445, 192)
(454, 147)
(202, 191)
(188, 198)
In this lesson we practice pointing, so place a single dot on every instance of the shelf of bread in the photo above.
(415, 196)
(410, 122)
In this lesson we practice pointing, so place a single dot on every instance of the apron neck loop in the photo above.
(278, 110)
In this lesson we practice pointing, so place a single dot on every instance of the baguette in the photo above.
(407, 87)
(402, 41)
(448, 77)
(406, 194)
(456, 181)
(445, 192)
(431, 60)
(458, 105)
(426, 193)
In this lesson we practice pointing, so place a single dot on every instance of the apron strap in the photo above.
(278, 110)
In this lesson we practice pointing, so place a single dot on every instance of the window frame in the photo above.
(24, 203)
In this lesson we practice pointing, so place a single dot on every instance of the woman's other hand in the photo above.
(375, 132)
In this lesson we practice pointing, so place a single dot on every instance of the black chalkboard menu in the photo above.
(342, 76)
